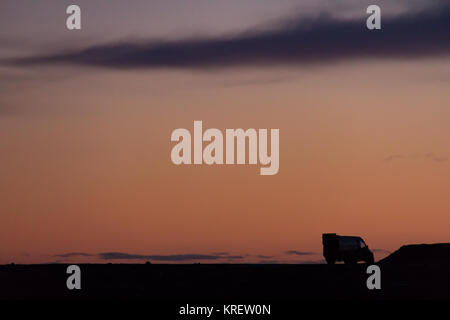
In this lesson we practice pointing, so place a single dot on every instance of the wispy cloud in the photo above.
(427, 156)
(275, 261)
(261, 256)
(299, 253)
(234, 257)
(73, 254)
(221, 257)
(307, 41)
(394, 157)
(268, 261)
(221, 253)
(174, 257)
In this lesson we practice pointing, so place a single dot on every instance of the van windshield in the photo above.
(362, 244)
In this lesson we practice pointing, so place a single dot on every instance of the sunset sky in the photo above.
(86, 118)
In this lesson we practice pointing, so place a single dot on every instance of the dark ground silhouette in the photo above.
(413, 271)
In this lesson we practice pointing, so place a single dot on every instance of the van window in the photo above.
(362, 244)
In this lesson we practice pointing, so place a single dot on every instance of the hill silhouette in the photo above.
(420, 254)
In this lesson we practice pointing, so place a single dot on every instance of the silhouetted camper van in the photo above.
(344, 248)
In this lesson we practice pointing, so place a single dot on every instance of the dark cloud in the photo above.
(234, 257)
(73, 254)
(320, 40)
(321, 261)
(261, 256)
(184, 257)
(273, 261)
(174, 257)
(299, 253)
